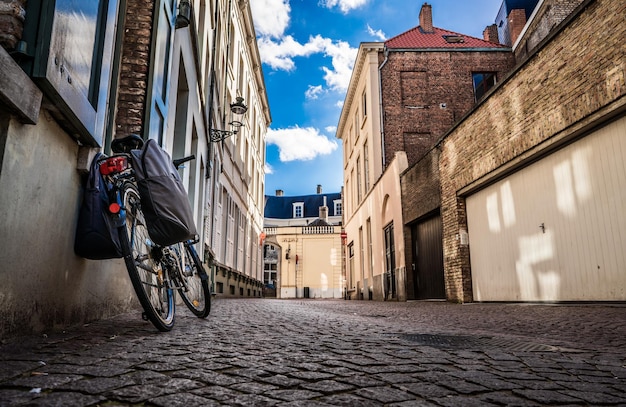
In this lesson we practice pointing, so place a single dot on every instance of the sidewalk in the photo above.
(266, 352)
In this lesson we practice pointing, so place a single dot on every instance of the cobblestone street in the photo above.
(266, 352)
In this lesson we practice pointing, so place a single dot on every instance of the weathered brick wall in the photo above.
(424, 93)
(133, 84)
(578, 73)
(424, 174)
(12, 16)
(551, 14)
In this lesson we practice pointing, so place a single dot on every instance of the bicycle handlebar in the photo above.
(178, 162)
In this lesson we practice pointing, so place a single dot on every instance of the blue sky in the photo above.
(308, 49)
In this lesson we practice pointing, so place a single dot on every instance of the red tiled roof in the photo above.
(416, 38)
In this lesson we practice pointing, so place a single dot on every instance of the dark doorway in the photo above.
(428, 279)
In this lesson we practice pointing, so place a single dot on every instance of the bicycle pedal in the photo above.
(144, 316)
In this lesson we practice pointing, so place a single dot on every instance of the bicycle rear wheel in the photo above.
(193, 286)
(144, 268)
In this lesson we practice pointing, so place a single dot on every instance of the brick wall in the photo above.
(551, 14)
(517, 21)
(131, 104)
(424, 93)
(578, 74)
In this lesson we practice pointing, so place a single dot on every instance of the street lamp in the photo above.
(236, 109)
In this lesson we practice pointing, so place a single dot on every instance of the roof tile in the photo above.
(418, 39)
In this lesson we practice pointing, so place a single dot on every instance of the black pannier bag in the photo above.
(164, 201)
(96, 236)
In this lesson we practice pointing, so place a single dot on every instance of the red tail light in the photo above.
(113, 165)
(114, 207)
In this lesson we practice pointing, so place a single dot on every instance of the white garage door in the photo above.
(556, 230)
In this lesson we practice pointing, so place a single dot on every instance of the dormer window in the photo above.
(298, 209)
(338, 207)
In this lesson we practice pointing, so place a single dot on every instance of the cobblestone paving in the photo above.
(265, 352)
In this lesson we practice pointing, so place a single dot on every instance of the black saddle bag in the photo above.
(164, 201)
(96, 236)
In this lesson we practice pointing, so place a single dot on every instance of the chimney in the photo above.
(324, 211)
(491, 34)
(279, 192)
(426, 18)
(319, 189)
(517, 21)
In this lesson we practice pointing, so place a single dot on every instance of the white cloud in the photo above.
(268, 169)
(300, 143)
(313, 92)
(330, 129)
(376, 33)
(279, 55)
(344, 5)
(271, 17)
(343, 57)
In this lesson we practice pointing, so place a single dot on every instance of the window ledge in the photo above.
(17, 91)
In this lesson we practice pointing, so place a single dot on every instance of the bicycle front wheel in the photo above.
(143, 263)
(194, 285)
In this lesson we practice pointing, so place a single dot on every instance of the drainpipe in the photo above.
(380, 108)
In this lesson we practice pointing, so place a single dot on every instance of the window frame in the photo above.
(298, 206)
(83, 104)
(488, 81)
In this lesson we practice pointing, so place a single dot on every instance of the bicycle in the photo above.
(155, 271)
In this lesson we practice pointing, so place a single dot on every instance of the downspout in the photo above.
(380, 107)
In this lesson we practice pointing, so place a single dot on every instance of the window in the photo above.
(78, 76)
(361, 256)
(355, 201)
(483, 81)
(369, 249)
(298, 210)
(338, 207)
(364, 104)
(359, 193)
(366, 166)
(347, 196)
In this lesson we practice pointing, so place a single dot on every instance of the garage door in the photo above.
(555, 230)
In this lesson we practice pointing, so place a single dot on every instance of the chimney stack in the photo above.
(517, 21)
(426, 18)
(319, 189)
(491, 34)
(279, 192)
(324, 211)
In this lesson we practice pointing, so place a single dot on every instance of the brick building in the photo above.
(424, 80)
(532, 179)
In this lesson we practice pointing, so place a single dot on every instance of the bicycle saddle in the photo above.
(125, 144)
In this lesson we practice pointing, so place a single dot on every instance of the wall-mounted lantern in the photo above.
(184, 14)
(237, 109)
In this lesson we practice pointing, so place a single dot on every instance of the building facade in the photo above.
(533, 179)
(404, 95)
(302, 255)
(159, 69)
